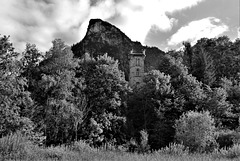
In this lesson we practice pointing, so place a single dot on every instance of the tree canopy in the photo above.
(65, 98)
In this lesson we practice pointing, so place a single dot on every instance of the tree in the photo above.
(232, 96)
(154, 108)
(223, 53)
(196, 131)
(14, 99)
(106, 91)
(185, 85)
(30, 60)
(216, 103)
(188, 53)
(204, 67)
(60, 106)
(165, 96)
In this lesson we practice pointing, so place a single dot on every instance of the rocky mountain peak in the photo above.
(105, 32)
(102, 37)
(98, 25)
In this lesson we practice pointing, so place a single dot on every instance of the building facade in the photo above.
(136, 66)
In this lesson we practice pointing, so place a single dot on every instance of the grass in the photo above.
(16, 147)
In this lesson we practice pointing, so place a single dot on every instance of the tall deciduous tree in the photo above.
(60, 104)
(30, 60)
(155, 107)
(106, 91)
(183, 83)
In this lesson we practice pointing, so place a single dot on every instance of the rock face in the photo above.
(103, 37)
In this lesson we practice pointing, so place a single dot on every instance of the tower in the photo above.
(136, 66)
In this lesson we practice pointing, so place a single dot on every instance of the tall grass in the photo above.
(14, 146)
(174, 149)
(17, 147)
(228, 153)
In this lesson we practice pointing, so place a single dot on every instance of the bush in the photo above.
(229, 153)
(132, 145)
(32, 135)
(55, 153)
(81, 147)
(196, 131)
(144, 147)
(174, 149)
(227, 138)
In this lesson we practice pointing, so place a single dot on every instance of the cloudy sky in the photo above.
(162, 23)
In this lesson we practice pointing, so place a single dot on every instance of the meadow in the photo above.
(17, 147)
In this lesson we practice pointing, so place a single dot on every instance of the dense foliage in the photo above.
(196, 131)
(14, 99)
(106, 91)
(63, 98)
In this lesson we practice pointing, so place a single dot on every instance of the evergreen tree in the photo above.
(204, 69)
(188, 53)
(14, 99)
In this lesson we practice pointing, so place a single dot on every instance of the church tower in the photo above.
(136, 66)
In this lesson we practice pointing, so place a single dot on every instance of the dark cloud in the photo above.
(93, 2)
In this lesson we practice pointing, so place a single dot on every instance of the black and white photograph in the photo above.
(119, 80)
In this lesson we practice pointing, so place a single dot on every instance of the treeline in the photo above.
(55, 98)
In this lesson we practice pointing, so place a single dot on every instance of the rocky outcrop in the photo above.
(102, 37)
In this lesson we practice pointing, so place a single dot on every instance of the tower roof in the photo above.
(137, 53)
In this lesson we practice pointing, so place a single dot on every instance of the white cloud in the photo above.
(103, 10)
(176, 5)
(208, 27)
(40, 21)
(139, 22)
(141, 15)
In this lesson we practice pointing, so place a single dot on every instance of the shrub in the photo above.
(132, 145)
(56, 153)
(81, 147)
(144, 147)
(174, 149)
(229, 153)
(196, 131)
(28, 131)
(227, 138)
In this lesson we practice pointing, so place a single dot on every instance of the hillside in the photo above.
(102, 37)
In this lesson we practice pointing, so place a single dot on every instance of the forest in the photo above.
(189, 104)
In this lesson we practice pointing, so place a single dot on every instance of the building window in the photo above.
(137, 72)
(138, 61)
